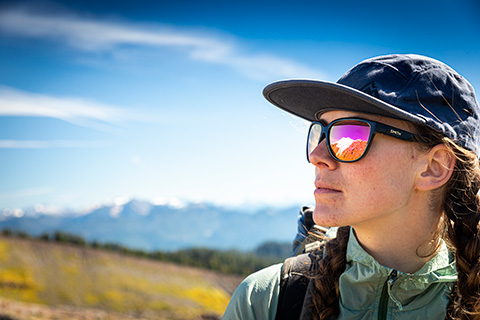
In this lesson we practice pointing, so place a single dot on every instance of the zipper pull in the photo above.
(390, 282)
(392, 278)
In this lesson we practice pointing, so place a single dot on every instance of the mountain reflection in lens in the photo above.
(348, 140)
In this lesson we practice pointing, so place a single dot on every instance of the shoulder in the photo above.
(257, 296)
(265, 278)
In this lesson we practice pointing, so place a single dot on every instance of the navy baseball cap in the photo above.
(408, 87)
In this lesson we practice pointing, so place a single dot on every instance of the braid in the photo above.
(462, 212)
(461, 229)
(330, 267)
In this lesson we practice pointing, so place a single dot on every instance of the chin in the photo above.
(325, 219)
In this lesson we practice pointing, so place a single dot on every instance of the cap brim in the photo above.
(309, 99)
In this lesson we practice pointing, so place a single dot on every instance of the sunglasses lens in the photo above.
(349, 139)
(314, 136)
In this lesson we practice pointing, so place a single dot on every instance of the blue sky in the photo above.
(161, 100)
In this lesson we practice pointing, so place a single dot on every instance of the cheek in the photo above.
(383, 180)
(367, 185)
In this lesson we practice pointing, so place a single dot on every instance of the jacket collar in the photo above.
(440, 268)
(421, 295)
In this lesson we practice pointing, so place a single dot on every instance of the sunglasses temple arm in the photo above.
(394, 132)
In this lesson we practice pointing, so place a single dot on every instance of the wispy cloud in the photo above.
(49, 144)
(97, 35)
(74, 110)
(27, 192)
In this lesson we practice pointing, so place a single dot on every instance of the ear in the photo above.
(437, 168)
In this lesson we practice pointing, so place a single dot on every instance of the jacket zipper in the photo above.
(383, 306)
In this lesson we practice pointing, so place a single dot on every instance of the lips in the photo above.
(322, 188)
(325, 191)
(322, 185)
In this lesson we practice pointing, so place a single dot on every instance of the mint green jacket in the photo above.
(366, 288)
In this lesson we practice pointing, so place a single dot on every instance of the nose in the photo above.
(321, 158)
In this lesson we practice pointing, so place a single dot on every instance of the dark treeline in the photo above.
(225, 261)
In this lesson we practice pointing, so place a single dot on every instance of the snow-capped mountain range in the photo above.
(148, 226)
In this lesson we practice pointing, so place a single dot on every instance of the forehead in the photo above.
(337, 114)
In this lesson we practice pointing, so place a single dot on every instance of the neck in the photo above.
(405, 246)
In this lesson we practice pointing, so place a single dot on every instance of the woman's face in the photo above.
(378, 186)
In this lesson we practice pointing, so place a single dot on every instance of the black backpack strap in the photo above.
(296, 274)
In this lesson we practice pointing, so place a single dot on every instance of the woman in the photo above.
(395, 145)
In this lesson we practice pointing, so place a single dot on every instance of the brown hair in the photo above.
(461, 205)
(328, 271)
(460, 202)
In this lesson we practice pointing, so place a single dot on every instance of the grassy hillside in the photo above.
(82, 279)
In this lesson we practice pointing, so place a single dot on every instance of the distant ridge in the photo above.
(144, 225)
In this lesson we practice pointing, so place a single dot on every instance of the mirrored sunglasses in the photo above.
(348, 139)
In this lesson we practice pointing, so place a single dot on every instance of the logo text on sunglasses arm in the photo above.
(395, 132)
